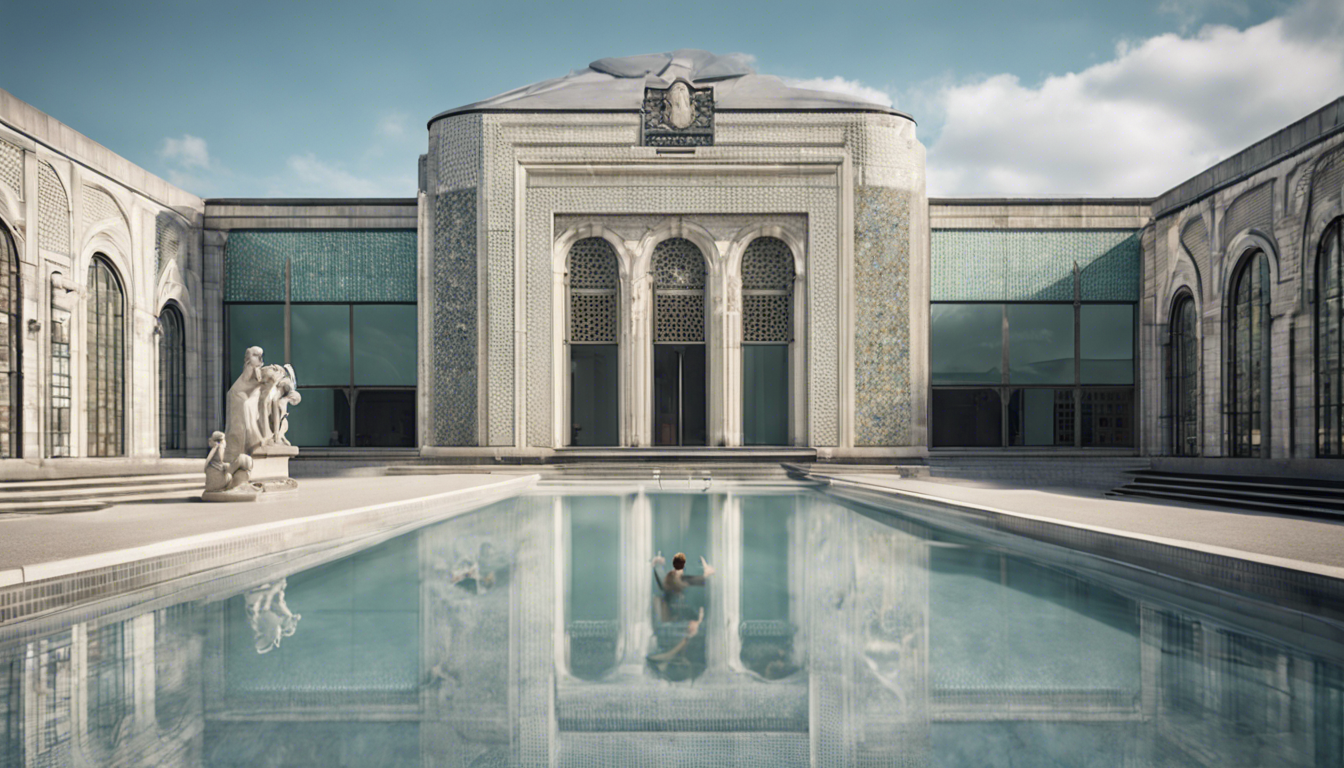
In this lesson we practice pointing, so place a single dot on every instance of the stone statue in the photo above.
(243, 413)
(254, 442)
(677, 108)
(222, 477)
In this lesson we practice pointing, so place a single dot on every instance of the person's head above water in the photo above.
(678, 561)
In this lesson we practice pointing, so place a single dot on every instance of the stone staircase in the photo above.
(1284, 495)
(33, 497)
(1099, 473)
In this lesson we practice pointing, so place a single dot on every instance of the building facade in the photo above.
(674, 252)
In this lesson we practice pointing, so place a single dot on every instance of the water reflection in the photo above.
(536, 633)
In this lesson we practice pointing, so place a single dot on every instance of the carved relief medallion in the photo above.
(678, 116)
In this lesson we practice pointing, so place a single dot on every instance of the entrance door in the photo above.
(679, 394)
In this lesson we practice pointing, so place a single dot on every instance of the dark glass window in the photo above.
(1040, 416)
(679, 372)
(594, 353)
(1106, 339)
(172, 380)
(1040, 344)
(1329, 341)
(966, 343)
(1107, 418)
(967, 418)
(58, 411)
(1183, 379)
(767, 329)
(255, 325)
(11, 399)
(105, 362)
(1249, 369)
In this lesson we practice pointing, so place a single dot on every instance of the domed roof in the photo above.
(617, 85)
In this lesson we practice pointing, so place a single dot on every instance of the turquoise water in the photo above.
(533, 632)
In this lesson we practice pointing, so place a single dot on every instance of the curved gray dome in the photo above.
(617, 85)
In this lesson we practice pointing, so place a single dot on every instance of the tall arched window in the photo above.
(1248, 385)
(11, 397)
(105, 360)
(1183, 378)
(767, 331)
(594, 400)
(1329, 339)
(172, 380)
(679, 400)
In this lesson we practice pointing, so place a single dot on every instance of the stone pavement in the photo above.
(1299, 542)
(33, 539)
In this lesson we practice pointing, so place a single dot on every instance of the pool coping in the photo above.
(1262, 590)
(33, 590)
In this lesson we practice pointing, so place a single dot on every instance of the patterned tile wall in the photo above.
(53, 211)
(11, 167)
(167, 242)
(881, 316)
(455, 317)
(327, 265)
(1034, 265)
(98, 206)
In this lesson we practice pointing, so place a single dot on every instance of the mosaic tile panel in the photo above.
(1251, 210)
(499, 338)
(767, 264)
(53, 211)
(1034, 265)
(767, 317)
(455, 313)
(881, 316)
(593, 277)
(99, 206)
(327, 265)
(167, 242)
(459, 152)
(11, 167)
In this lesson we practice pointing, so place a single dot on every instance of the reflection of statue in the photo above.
(268, 615)
(226, 477)
(243, 427)
(677, 106)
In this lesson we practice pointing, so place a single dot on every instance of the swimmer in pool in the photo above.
(675, 582)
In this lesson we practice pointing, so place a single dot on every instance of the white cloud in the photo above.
(392, 126)
(842, 86)
(309, 176)
(187, 152)
(1162, 110)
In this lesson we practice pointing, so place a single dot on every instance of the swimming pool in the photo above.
(534, 632)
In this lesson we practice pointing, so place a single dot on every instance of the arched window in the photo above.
(679, 277)
(594, 399)
(172, 380)
(1248, 385)
(1329, 339)
(11, 396)
(105, 361)
(1183, 378)
(767, 331)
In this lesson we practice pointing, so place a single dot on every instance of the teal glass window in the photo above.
(319, 343)
(1040, 343)
(1106, 338)
(765, 376)
(321, 420)
(966, 343)
(1041, 416)
(255, 325)
(594, 417)
(385, 344)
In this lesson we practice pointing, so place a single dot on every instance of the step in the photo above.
(60, 506)
(1196, 498)
(118, 493)
(1314, 486)
(1248, 491)
(81, 482)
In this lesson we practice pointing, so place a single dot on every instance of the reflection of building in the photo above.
(672, 250)
(521, 636)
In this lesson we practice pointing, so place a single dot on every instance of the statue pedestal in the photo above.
(271, 462)
(268, 480)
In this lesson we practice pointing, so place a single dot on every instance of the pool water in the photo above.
(534, 632)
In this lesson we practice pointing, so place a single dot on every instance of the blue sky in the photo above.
(330, 99)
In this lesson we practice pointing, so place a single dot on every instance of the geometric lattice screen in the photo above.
(767, 291)
(679, 292)
(592, 292)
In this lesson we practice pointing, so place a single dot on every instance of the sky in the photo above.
(331, 99)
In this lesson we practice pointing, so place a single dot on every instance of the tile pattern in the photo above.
(99, 206)
(882, 405)
(455, 317)
(53, 211)
(592, 291)
(11, 167)
(459, 152)
(167, 241)
(1328, 178)
(1251, 209)
(327, 265)
(1195, 240)
(1034, 265)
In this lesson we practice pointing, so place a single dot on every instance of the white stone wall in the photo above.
(64, 198)
(1282, 208)
(544, 180)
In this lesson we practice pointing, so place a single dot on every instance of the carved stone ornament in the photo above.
(678, 116)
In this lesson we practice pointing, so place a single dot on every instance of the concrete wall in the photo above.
(1278, 196)
(64, 199)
